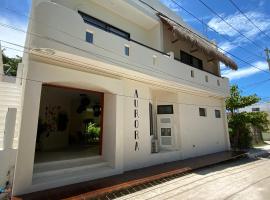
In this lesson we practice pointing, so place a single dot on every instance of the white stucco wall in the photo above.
(208, 134)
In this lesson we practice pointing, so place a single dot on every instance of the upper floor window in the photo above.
(103, 25)
(126, 50)
(202, 112)
(165, 109)
(191, 60)
(89, 37)
(217, 113)
(255, 109)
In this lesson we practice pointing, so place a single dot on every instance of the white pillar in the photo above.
(112, 142)
(27, 139)
(226, 129)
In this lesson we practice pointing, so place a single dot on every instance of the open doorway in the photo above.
(70, 124)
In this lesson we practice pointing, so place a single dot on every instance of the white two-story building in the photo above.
(115, 85)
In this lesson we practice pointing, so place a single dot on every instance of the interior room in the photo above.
(70, 124)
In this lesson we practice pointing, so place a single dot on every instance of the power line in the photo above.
(85, 64)
(70, 62)
(201, 21)
(67, 61)
(237, 7)
(48, 38)
(236, 57)
(212, 10)
(55, 28)
(256, 83)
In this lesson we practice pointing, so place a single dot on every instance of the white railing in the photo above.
(109, 48)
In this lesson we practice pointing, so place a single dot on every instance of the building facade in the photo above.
(258, 107)
(112, 86)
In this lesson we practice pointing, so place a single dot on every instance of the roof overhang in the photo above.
(182, 32)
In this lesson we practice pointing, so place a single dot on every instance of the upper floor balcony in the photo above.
(65, 34)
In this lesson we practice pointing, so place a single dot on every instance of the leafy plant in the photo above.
(241, 123)
(93, 130)
(10, 64)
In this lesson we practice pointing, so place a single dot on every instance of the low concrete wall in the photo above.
(266, 136)
(8, 154)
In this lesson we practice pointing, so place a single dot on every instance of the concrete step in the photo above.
(11, 85)
(6, 105)
(65, 164)
(47, 182)
(59, 173)
(7, 98)
(5, 92)
(63, 167)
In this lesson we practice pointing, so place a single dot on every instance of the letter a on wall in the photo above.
(136, 146)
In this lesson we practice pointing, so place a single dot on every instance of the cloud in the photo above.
(241, 23)
(223, 67)
(170, 4)
(246, 72)
(227, 46)
(261, 4)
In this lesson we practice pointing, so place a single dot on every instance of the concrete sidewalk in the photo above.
(259, 151)
(132, 180)
(245, 179)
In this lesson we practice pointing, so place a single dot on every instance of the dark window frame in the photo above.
(104, 26)
(192, 73)
(202, 112)
(255, 109)
(127, 50)
(151, 119)
(163, 112)
(89, 37)
(191, 60)
(217, 113)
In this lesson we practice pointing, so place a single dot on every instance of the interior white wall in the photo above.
(52, 98)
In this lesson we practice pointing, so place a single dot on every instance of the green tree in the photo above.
(241, 124)
(10, 64)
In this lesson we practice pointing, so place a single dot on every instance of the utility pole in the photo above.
(267, 52)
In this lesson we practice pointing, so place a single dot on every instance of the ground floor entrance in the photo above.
(69, 125)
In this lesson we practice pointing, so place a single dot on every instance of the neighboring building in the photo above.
(265, 107)
(112, 86)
